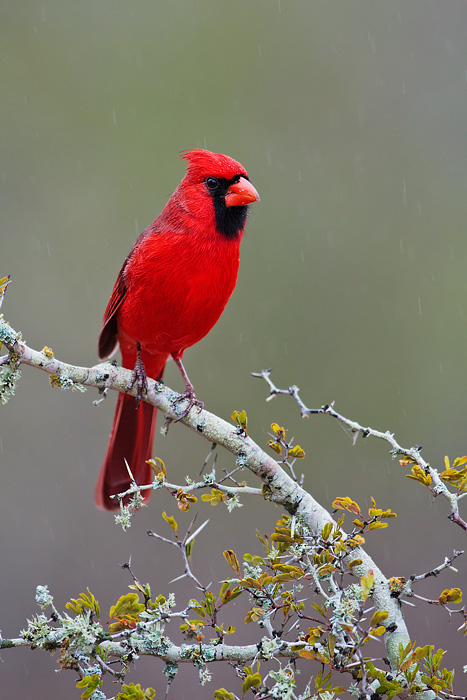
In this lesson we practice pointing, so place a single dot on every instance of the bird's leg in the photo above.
(139, 376)
(189, 392)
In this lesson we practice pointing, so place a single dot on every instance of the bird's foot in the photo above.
(139, 377)
(190, 396)
(189, 393)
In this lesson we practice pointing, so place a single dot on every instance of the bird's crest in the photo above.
(202, 163)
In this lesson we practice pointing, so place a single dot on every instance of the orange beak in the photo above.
(241, 193)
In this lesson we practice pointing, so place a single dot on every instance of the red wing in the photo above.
(107, 342)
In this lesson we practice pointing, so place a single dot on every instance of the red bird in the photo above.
(170, 292)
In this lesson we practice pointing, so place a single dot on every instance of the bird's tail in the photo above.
(131, 439)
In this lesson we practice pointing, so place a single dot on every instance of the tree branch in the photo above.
(277, 485)
(411, 454)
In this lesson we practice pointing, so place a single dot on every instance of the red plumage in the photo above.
(171, 290)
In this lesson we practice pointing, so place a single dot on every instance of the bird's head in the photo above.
(218, 187)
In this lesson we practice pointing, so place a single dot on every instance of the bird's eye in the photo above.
(212, 183)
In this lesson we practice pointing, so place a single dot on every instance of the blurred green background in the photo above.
(350, 119)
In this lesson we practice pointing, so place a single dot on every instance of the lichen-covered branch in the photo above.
(278, 487)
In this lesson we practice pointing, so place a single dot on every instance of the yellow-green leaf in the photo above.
(378, 617)
(313, 655)
(90, 683)
(275, 446)
(127, 607)
(135, 692)
(231, 594)
(251, 681)
(297, 452)
(170, 520)
(241, 419)
(278, 431)
(295, 571)
(254, 615)
(346, 503)
(4, 282)
(450, 595)
(355, 562)
(223, 694)
(367, 583)
(215, 497)
(158, 467)
(326, 570)
(232, 560)
(377, 526)
(418, 474)
(84, 602)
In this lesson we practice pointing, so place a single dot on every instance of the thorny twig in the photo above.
(434, 572)
(437, 486)
(181, 545)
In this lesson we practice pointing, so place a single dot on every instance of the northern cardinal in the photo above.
(170, 292)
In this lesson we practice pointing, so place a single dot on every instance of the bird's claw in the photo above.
(190, 396)
(139, 377)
